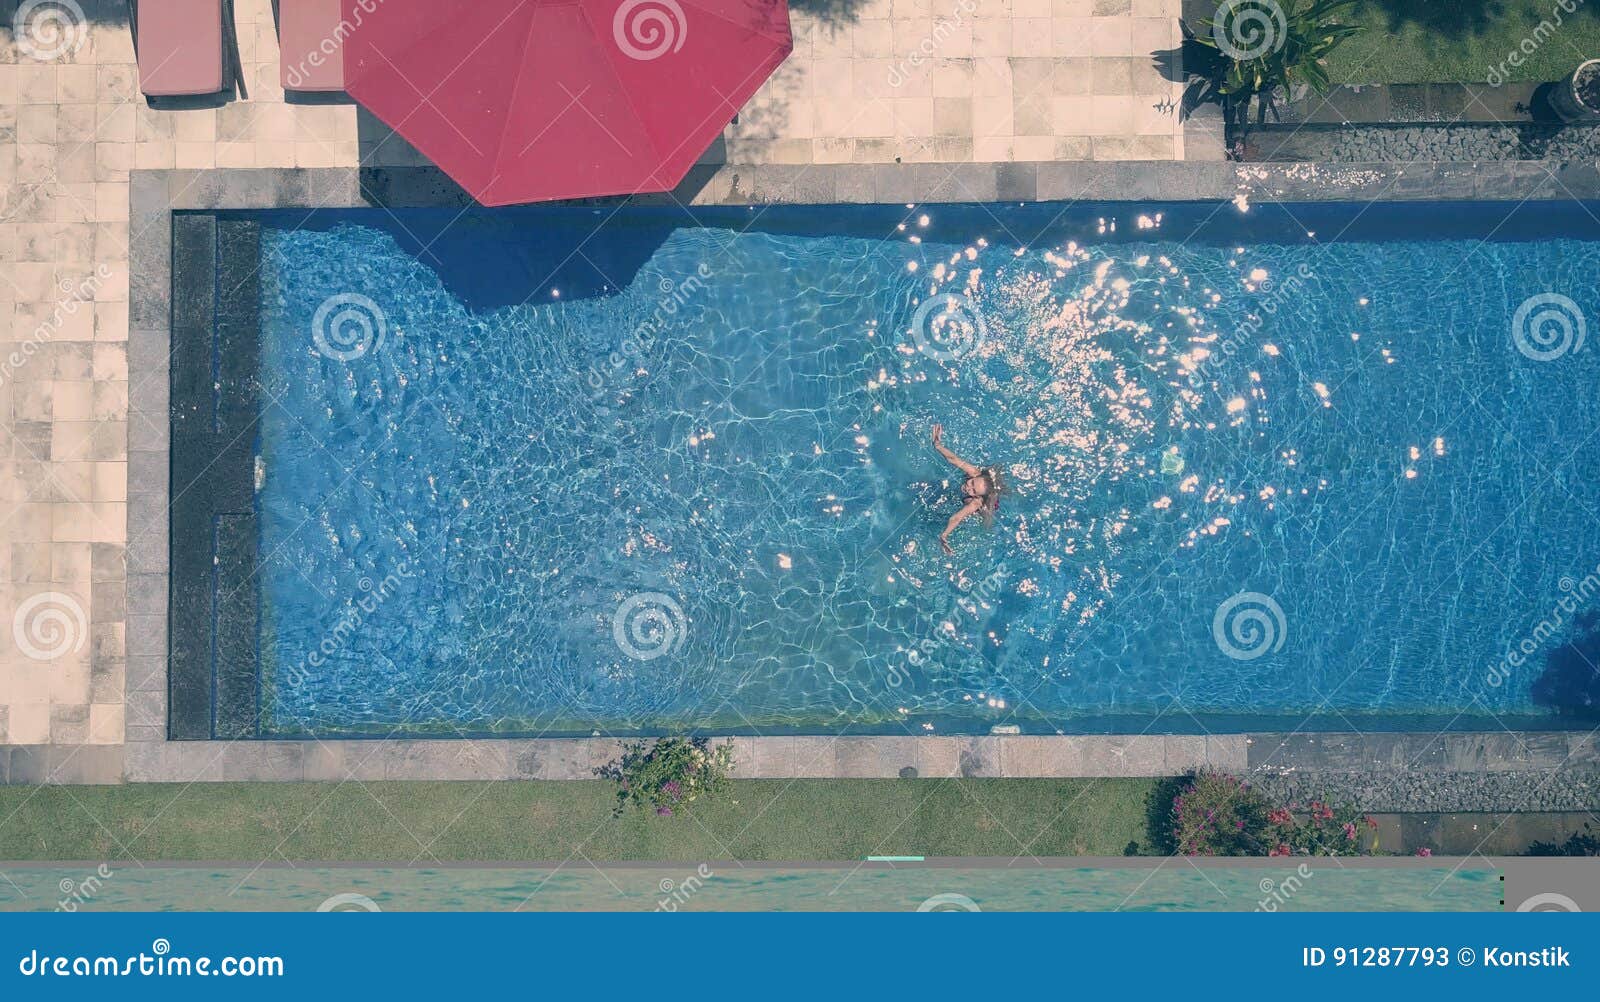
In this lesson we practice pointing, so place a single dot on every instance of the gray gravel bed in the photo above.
(1412, 143)
(1567, 790)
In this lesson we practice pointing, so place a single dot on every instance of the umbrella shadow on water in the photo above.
(563, 250)
(492, 258)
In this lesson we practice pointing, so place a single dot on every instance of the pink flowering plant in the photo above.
(1216, 814)
(1320, 829)
(664, 775)
(1219, 815)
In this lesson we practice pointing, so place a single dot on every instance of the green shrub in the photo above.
(1216, 814)
(1158, 819)
(1252, 49)
(668, 773)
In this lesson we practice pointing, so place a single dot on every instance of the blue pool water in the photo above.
(588, 470)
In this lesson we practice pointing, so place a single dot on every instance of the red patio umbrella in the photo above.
(529, 100)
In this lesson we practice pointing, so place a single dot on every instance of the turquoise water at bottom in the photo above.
(572, 470)
(1320, 885)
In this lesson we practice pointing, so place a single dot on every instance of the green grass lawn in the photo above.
(1436, 41)
(761, 820)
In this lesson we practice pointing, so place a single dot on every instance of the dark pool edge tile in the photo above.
(155, 193)
(184, 705)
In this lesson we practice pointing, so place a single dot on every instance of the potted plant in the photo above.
(1251, 50)
(1577, 98)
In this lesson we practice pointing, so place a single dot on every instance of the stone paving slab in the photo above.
(886, 757)
(1491, 751)
(1544, 754)
(30, 765)
(881, 184)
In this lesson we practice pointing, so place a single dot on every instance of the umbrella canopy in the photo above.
(529, 100)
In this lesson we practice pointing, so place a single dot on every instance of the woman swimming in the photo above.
(980, 492)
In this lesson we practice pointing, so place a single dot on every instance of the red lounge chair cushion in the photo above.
(180, 47)
(310, 40)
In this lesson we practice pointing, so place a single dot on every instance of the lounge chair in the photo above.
(309, 40)
(180, 47)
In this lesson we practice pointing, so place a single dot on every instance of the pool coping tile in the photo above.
(64, 764)
(153, 759)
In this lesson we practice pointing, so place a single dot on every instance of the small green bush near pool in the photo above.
(1262, 49)
(1216, 814)
(1219, 815)
(668, 774)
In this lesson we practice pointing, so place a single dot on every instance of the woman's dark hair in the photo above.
(991, 499)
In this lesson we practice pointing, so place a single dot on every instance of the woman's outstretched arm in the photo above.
(952, 458)
(967, 511)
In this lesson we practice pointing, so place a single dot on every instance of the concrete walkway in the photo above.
(970, 80)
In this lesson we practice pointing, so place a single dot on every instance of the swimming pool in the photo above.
(572, 470)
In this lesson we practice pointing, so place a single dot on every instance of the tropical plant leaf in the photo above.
(1296, 54)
